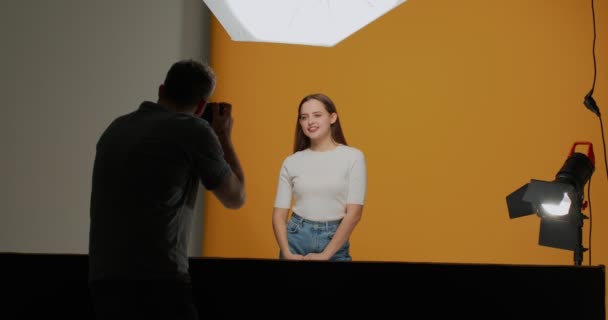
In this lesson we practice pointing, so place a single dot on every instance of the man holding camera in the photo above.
(147, 169)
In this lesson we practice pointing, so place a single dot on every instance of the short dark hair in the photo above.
(188, 82)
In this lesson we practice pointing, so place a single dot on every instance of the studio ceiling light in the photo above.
(559, 203)
(303, 22)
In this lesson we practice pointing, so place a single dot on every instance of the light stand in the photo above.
(559, 203)
(579, 249)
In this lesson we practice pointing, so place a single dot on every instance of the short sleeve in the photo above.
(284, 188)
(357, 182)
(208, 156)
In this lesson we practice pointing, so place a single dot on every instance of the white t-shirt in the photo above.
(322, 183)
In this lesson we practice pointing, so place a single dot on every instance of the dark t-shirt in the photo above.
(147, 169)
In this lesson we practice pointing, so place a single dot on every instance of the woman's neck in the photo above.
(325, 145)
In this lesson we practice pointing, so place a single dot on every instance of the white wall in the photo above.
(69, 67)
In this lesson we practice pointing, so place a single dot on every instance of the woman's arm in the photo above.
(343, 233)
(279, 225)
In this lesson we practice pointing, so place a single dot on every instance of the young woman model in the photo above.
(327, 181)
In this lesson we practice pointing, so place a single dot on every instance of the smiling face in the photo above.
(316, 121)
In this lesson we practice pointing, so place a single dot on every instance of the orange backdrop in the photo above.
(455, 103)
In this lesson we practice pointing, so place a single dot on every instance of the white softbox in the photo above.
(303, 22)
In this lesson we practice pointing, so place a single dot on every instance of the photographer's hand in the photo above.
(222, 125)
(222, 119)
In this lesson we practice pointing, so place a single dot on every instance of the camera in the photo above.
(208, 113)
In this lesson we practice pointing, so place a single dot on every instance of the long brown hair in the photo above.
(301, 140)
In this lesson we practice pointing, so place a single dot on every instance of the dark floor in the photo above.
(42, 286)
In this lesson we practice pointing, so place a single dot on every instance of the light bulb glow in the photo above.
(560, 209)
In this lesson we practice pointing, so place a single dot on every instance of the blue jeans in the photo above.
(305, 236)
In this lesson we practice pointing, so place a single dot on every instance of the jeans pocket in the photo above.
(292, 227)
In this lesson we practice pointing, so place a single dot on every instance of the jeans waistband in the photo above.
(318, 223)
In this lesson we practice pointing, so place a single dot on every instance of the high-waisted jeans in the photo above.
(305, 236)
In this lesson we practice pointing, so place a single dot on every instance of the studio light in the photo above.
(303, 22)
(558, 203)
